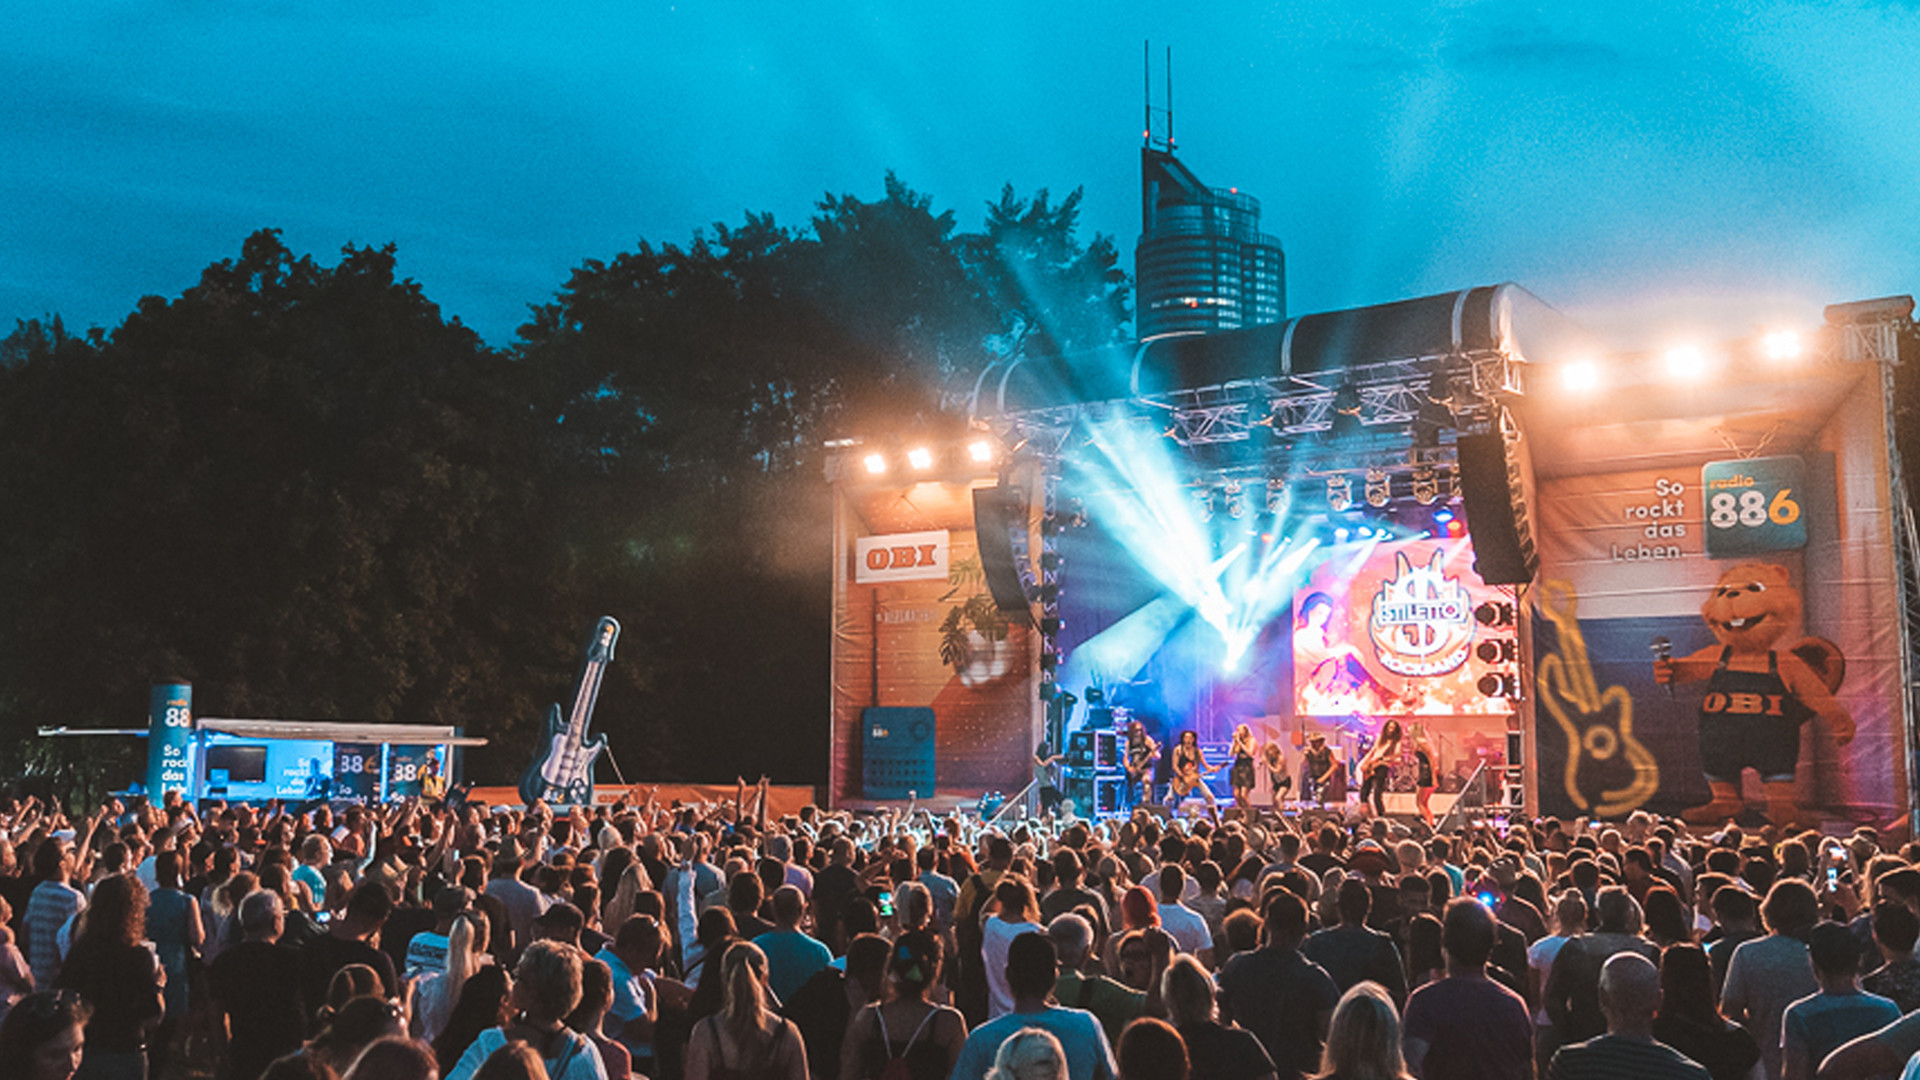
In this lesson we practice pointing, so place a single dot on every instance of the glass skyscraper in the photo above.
(1202, 263)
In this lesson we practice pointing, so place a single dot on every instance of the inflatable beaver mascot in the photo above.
(1757, 696)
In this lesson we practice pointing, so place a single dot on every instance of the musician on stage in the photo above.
(1278, 778)
(1189, 770)
(1317, 768)
(1377, 766)
(1142, 752)
(1046, 785)
(1240, 774)
(1425, 766)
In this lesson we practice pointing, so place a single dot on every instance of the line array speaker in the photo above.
(997, 512)
(1494, 486)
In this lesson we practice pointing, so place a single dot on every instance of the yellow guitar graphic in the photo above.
(1598, 724)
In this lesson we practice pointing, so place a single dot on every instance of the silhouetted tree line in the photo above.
(305, 490)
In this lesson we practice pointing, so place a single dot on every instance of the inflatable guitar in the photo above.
(562, 769)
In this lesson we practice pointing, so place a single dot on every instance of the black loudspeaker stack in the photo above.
(997, 512)
(1493, 487)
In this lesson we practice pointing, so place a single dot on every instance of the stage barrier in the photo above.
(781, 798)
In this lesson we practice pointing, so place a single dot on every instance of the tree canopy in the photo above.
(307, 491)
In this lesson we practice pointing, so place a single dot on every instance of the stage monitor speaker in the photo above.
(997, 512)
(1094, 793)
(1493, 487)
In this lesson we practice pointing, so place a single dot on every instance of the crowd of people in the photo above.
(430, 939)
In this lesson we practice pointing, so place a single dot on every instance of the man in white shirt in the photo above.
(1188, 928)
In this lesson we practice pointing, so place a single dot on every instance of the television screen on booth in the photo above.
(242, 764)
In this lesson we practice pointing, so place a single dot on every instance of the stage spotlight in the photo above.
(1236, 506)
(1498, 651)
(1426, 486)
(1339, 493)
(1686, 362)
(1494, 614)
(1782, 345)
(1499, 686)
(1580, 377)
(980, 450)
(1443, 515)
(877, 464)
(920, 458)
(1203, 497)
(1276, 496)
(1379, 490)
(1340, 535)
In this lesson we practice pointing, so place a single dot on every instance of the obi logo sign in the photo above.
(1422, 621)
(915, 556)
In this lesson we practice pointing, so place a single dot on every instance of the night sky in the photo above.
(1646, 167)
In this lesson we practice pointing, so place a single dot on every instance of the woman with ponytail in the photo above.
(745, 1040)
(435, 993)
(908, 1027)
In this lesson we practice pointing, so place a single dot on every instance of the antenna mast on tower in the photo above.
(1163, 141)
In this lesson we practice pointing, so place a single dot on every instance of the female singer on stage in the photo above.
(1378, 764)
(1240, 775)
(1277, 776)
(1189, 769)
(1425, 765)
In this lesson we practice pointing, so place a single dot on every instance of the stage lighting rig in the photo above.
(980, 450)
(1339, 493)
(1235, 505)
(920, 458)
(876, 464)
(1276, 497)
(1203, 500)
(1426, 485)
(1379, 488)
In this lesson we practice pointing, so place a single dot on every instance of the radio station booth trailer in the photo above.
(241, 760)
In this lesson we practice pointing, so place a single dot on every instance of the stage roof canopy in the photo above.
(341, 731)
(1312, 350)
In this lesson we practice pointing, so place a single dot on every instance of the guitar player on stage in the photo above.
(1142, 752)
(1189, 771)
(1376, 769)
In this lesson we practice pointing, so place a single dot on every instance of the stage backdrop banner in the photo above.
(1401, 629)
(1804, 551)
(922, 632)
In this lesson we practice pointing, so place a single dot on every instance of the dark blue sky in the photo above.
(1644, 166)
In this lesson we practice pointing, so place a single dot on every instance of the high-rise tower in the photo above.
(1202, 263)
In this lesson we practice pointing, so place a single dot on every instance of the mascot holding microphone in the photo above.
(1757, 697)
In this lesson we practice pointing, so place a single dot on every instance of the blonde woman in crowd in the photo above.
(1363, 1041)
(746, 1038)
(1030, 1054)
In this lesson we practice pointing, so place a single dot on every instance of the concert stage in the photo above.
(1462, 514)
